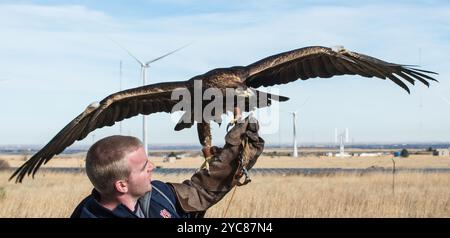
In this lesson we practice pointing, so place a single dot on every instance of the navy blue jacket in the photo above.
(160, 202)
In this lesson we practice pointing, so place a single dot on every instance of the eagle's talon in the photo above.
(247, 176)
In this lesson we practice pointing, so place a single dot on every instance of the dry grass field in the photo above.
(343, 195)
(413, 161)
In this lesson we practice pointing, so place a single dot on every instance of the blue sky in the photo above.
(57, 57)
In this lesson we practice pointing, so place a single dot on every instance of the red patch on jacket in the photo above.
(164, 213)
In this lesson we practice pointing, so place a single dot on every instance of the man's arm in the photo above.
(205, 189)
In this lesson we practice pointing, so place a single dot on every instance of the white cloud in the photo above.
(50, 17)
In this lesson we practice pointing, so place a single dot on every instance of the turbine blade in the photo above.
(134, 57)
(335, 135)
(445, 99)
(160, 57)
(306, 100)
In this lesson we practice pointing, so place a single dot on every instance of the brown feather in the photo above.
(322, 62)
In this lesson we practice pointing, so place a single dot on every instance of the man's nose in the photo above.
(151, 166)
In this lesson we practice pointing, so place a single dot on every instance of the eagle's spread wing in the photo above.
(323, 62)
(116, 107)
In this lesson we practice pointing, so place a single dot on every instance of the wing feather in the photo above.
(323, 62)
(113, 108)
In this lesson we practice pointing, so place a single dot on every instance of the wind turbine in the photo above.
(120, 89)
(294, 125)
(294, 129)
(342, 136)
(144, 67)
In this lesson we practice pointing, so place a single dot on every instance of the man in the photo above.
(121, 173)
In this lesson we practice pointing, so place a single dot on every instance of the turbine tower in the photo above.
(144, 67)
(294, 125)
(120, 89)
(335, 136)
(294, 128)
(342, 136)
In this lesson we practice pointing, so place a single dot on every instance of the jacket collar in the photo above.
(94, 207)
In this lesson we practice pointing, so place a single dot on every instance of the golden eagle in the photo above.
(303, 63)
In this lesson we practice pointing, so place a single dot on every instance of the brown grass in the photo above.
(416, 195)
(3, 164)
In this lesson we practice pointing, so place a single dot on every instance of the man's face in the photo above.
(141, 173)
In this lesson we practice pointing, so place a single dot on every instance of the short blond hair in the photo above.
(106, 161)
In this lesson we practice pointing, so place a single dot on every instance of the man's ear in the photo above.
(121, 186)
